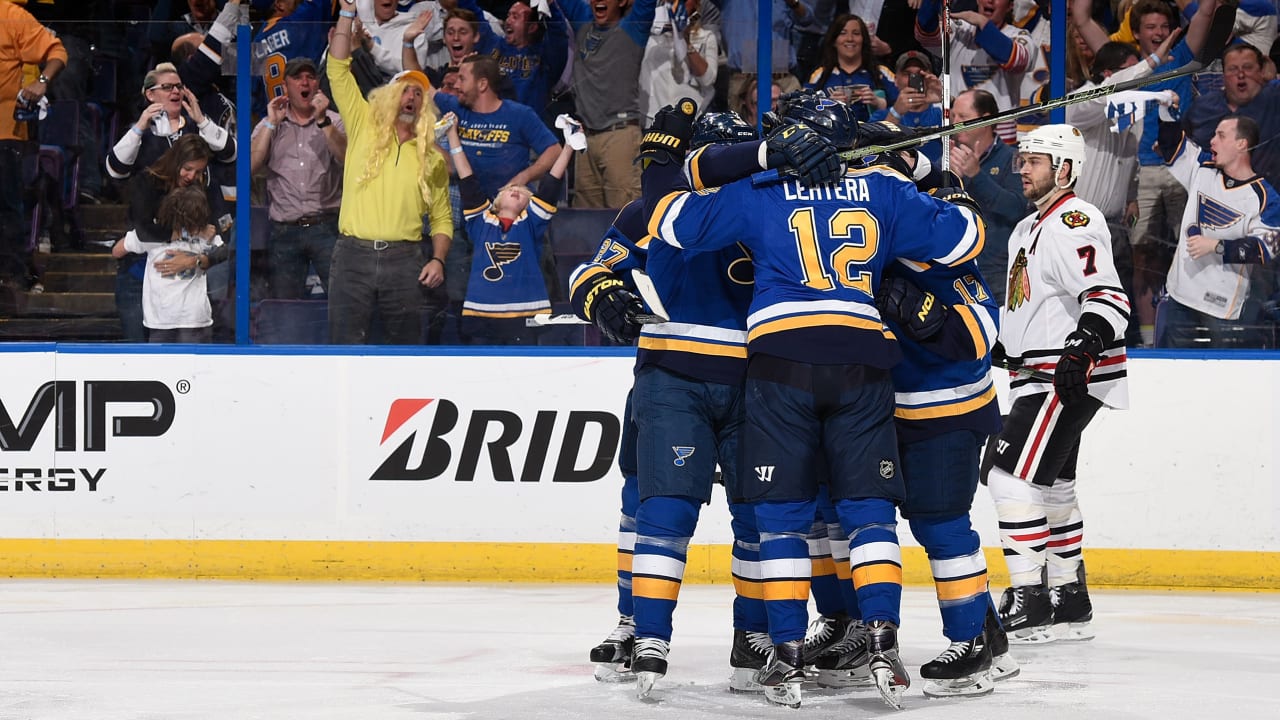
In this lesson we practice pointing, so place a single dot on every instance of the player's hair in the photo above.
(1110, 58)
(830, 59)
(484, 67)
(984, 103)
(1247, 130)
(1244, 47)
(152, 78)
(1147, 7)
(384, 106)
(184, 150)
(184, 209)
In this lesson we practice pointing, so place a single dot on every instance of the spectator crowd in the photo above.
(408, 157)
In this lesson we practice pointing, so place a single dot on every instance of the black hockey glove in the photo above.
(666, 140)
(614, 310)
(957, 196)
(1080, 355)
(918, 313)
(800, 149)
(1000, 357)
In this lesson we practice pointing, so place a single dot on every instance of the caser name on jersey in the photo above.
(854, 189)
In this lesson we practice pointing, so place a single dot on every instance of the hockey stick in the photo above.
(1023, 370)
(546, 319)
(1215, 42)
(946, 81)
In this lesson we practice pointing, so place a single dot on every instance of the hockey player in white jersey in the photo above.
(1228, 226)
(1065, 314)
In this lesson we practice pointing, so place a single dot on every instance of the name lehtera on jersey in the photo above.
(819, 254)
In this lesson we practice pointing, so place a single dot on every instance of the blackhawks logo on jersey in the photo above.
(1019, 285)
(1074, 219)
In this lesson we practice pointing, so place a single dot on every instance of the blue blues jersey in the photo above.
(302, 33)
(622, 249)
(819, 254)
(506, 275)
(944, 383)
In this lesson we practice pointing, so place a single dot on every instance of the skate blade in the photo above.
(787, 694)
(1032, 636)
(972, 686)
(857, 678)
(613, 673)
(645, 682)
(890, 686)
(1004, 667)
(1073, 632)
(743, 680)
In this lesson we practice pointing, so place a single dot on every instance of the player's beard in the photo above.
(1039, 190)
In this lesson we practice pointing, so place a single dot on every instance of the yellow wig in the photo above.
(384, 106)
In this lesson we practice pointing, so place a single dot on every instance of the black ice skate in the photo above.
(847, 663)
(649, 663)
(1003, 665)
(750, 653)
(824, 632)
(1027, 614)
(1072, 612)
(782, 674)
(887, 670)
(963, 669)
(613, 656)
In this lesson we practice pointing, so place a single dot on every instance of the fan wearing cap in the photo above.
(300, 146)
(1065, 314)
(392, 177)
(919, 98)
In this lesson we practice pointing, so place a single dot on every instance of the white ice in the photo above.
(178, 650)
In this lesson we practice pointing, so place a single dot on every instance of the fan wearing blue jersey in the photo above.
(818, 373)
(297, 28)
(506, 284)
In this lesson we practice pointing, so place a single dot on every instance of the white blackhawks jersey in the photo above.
(1060, 267)
(1223, 209)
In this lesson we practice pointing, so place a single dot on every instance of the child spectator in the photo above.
(175, 301)
(506, 284)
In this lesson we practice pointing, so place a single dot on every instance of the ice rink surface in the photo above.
(177, 650)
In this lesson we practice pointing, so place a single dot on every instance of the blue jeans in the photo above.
(291, 249)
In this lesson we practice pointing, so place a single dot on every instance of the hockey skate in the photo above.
(1003, 665)
(1027, 615)
(963, 669)
(613, 656)
(847, 663)
(1072, 612)
(649, 663)
(750, 653)
(782, 674)
(822, 634)
(886, 667)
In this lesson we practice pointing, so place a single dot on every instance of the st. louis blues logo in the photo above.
(1213, 214)
(682, 452)
(824, 103)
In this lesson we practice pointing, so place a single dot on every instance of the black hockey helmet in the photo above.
(831, 119)
(721, 127)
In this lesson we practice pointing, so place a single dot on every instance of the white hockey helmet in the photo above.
(1059, 142)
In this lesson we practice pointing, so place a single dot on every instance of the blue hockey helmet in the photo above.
(831, 119)
(721, 127)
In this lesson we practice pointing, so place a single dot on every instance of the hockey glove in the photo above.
(667, 139)
(1000, 357)
(799, 149)
(918, 313)
(1080, 355)
(957, 196)
(614, 309)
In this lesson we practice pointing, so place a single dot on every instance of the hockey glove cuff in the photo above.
(1080, 355)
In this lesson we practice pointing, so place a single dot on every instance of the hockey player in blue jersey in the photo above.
(818, 373)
